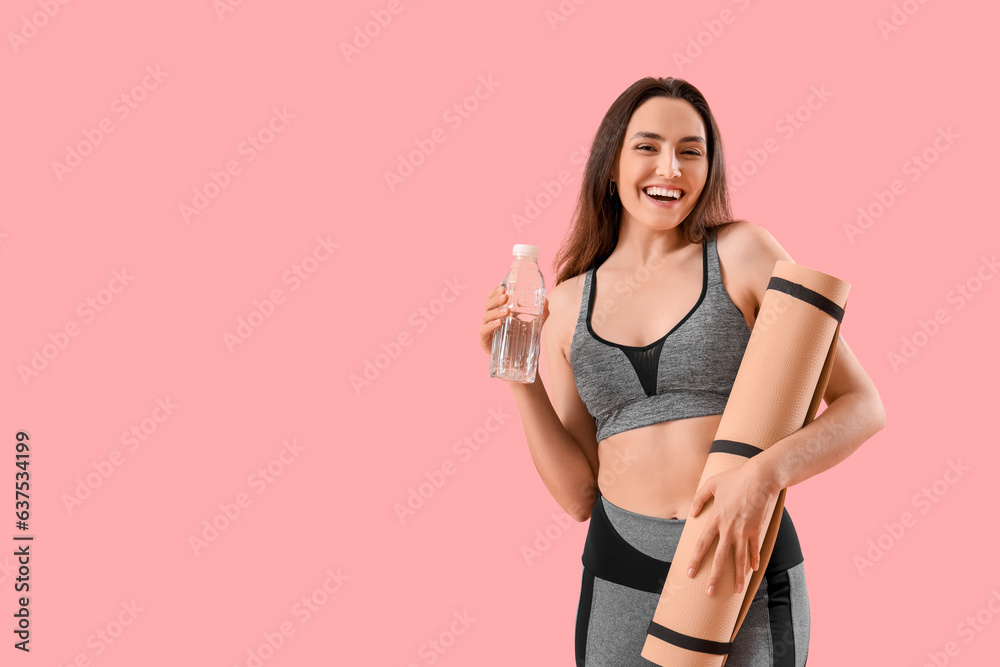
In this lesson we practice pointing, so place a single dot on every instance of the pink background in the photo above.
(404, 286)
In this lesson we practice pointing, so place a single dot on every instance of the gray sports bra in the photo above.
(689, 372)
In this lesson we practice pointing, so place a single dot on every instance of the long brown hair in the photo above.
(596, 222)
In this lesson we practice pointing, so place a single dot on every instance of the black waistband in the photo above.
(609, 556)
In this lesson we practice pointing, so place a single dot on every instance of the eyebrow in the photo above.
(654, 135)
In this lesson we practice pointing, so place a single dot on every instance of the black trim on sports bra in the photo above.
(701, 297)
(646, 359)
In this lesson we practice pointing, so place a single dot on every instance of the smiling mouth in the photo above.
(663, 194)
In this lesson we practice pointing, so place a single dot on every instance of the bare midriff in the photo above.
(655, 470)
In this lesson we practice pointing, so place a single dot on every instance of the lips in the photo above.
(663, 202)
(663, 193)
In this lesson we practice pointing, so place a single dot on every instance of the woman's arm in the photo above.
(854, 413)
(854, 410)
(561, 433)
(568, 472)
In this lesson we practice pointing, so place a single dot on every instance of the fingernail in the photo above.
(691, 572)
(711, 589)
(739, 587)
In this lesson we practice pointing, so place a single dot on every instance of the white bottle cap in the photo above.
(526, 250)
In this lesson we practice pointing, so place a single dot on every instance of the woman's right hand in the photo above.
(496, 311)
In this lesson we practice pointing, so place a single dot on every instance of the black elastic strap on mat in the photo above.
(809, 296)
(685, 641)
(734, 447)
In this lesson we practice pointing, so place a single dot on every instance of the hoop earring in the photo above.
(614, 189)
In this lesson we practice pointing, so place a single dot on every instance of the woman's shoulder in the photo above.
(743, 237)
(748, 253)
(564, 298)
(564, 308)
(748, 243)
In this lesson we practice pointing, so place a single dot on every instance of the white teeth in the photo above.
(664, 192)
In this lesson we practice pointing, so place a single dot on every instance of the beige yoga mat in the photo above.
(777, 390)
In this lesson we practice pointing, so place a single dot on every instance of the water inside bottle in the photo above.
(516, 341)
(515, 347)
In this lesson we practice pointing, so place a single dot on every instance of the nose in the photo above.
(669, 166)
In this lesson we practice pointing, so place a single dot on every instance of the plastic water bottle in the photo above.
(517, 341)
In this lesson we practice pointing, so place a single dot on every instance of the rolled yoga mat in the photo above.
(778, 388)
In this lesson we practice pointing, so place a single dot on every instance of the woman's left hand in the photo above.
(740, 497)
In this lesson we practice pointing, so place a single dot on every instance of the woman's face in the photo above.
(665, 145)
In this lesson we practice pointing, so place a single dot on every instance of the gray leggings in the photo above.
(626, 558)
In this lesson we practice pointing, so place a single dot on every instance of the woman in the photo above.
(626, 434)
